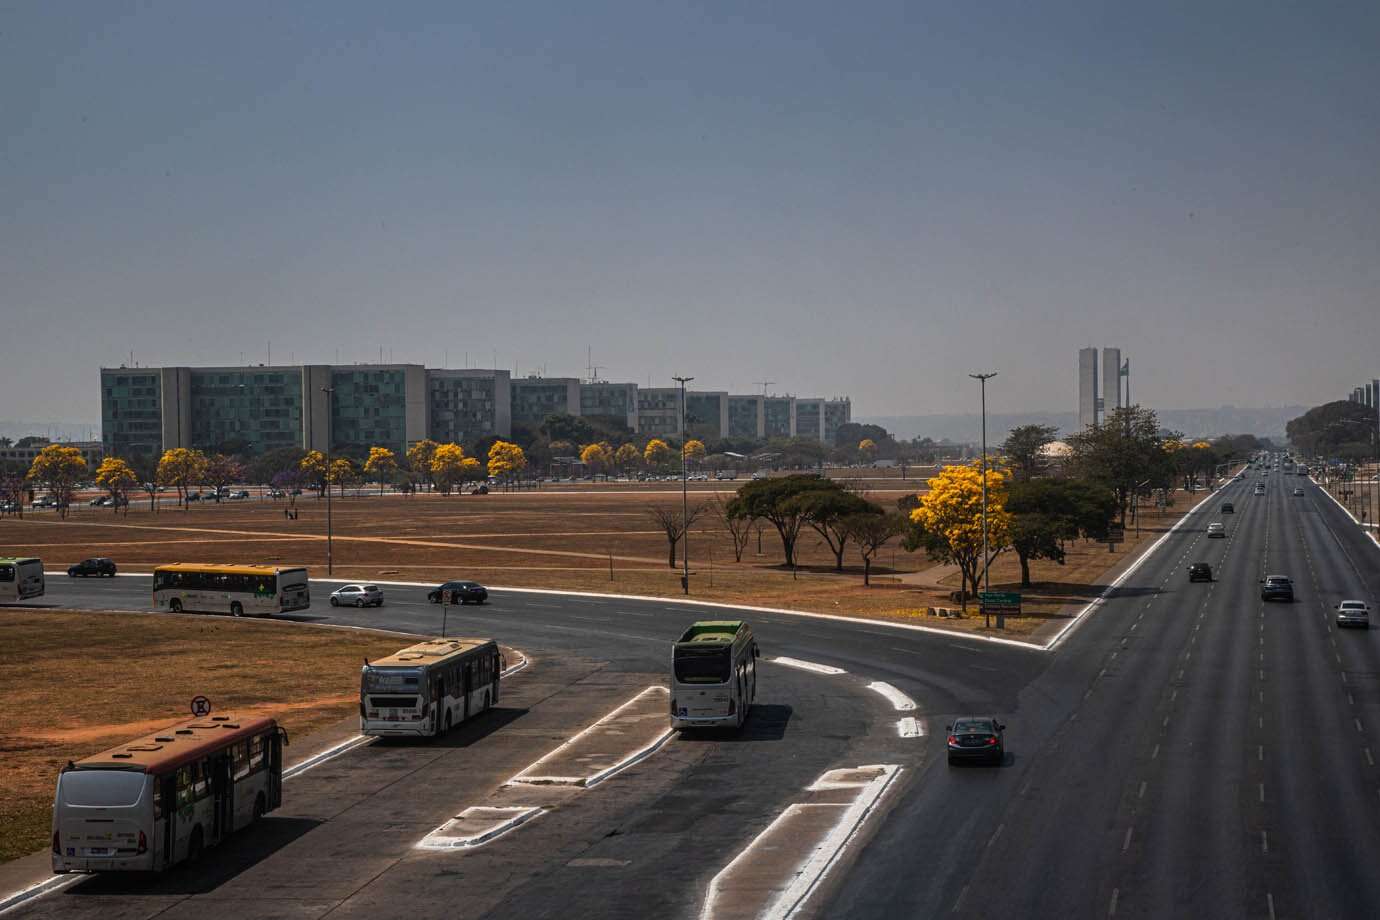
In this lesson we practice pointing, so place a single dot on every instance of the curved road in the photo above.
(1187, 751)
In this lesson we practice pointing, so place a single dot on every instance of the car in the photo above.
(357, 596)
(1228, 508)
(100, 501)
(1259, 490)
(1199, 571)
(1353, 613)
(99, 566)
(46, 501)
(480, 489)
(1217, 529)
(1298, 492)
(1277, 588)
(276, 493)
(976, 738)
(194, 497)
(462, 592)
(239, 494)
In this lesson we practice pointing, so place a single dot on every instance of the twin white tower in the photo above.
(1096, 399)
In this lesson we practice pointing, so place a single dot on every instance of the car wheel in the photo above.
(237, 609)
(175, 605)
(334, 602)
(359, 602)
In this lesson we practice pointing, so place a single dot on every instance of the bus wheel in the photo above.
(194, 845)
(237, 609)
(175, 605)
(259, 807)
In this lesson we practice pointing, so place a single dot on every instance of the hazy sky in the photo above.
(869, 199)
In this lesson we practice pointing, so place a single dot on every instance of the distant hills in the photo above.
(1263, 423)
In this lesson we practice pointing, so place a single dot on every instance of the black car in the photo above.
(1276, 588)
(1228, 508)
(976, 738)
(1200, 571)
(459, 592)
(88, 567)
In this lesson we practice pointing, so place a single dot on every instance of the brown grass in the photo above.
(74, 684)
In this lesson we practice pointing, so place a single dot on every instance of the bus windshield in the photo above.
(703, 665)
(393, 680)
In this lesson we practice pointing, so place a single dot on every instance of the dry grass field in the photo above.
(74, 684)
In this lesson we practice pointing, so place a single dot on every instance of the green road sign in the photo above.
(999, 602)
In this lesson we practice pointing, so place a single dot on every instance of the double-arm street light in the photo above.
(986, 559)
(684, 493)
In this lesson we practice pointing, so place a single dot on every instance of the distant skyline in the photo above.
(869, 200)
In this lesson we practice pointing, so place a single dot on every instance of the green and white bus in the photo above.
(713, 675)
(427, 688)
(239, 590)
(20, 579)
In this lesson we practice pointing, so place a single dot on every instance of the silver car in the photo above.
(357, 596)
(1353, 613)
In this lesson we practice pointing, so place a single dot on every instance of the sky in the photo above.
(862, 199)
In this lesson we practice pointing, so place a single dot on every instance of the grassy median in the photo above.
(77, 683)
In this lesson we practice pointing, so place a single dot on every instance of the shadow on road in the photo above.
(462, 735)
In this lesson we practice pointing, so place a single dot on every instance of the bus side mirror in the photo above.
(756, 652)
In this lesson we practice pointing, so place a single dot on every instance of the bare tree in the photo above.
(739, 528)
(871, 532)
(674, 525)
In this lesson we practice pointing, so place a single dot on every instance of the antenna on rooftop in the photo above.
(763, 384)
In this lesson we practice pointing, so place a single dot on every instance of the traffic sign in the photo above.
(201, 706)
(1000, 602)
(1116, 534)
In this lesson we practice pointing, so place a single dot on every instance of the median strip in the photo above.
(478, 825)
(630, 733)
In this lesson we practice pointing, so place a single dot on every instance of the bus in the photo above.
(20, 579)
(713, 674)
(426, 688)
(152, 803)
(239, 590)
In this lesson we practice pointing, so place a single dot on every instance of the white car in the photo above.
(1216, 529)
(357, 596)
(1353, 613)
(1298, 492)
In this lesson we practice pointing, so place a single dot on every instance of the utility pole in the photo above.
(986, 580)
(330, 409)
(684, 492)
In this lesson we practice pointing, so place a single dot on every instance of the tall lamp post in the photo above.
(684, 493)
(330, 399)
(986, 580)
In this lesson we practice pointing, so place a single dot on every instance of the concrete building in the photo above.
(658, 411)
(1111, 381)
(837, 413)
(809, 418)
(1087, 387)
(747, 417)
(614, 401)
(706, 414)
(534, 398)
(778, 416)
(91, 451)
(467, 405)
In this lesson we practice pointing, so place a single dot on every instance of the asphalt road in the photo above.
(1187, 751)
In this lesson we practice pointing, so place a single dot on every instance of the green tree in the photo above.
(1124, 451)
(1046, 512)
(1024, 447)
(827, 512)
(773, 500)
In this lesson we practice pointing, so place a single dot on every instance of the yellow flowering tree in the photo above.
(506, 460)
(180, 467)
(117, 478)
(597, 458)
(58, 468)
(382, 465)
(313, 467)
(693, 451)
(867, 449)
(419, 458)
(949, 520)
(447, 466)
(657, 453)
(627, 456)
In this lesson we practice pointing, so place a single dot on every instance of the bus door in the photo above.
(438, 701)
(168, 794)
(274, 791)
(222, 797)
(469, 685)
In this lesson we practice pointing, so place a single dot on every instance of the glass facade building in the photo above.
(837, 412)
(467, 405)
(658, 411)
(246, 410)
(809, 418)
(369, 409)
(131, 411)
(614, 401)
(534, 398)
(778, 416)
(745, 418)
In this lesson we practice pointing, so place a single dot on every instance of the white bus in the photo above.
(154, 802)
(429, 687)
(239, 590)
(20, 579)
(713, 674)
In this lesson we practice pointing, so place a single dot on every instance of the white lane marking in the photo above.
(910, 727)
(809, 874)
(1141, 794)
(330, 753)
(1270, 902)
(38, 890)
(507, 817)
(1126, 841)
(899, 701)
(522, 776)
(995, 834)
(1111, 908)
(807, 665)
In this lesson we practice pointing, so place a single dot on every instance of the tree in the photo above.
(1024, 450)
(382, 465)
(117, 478)
(471, 469)
(597, 458)
(1046, 512)
(221, 471)
(447, 466)
(419, 459)
(826, 511)
(1124, 451)
(1335, 429)
(657, 453)
(950, 519)
(313, 468)
(12, 486)
(852, 433)
(267, 465)
(870, 532)
(867, 449)
(58, 468)
(739, 528)
(693, 451)
(344, 472)
(627, 456)
(180, 467)
(146, 471)
(674, 524)
(506, 460)
(771, 500)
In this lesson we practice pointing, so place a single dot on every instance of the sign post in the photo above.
(201, 706)
(1000, 603)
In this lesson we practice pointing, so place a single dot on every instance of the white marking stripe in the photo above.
(511, 816)
(910, 727)
(47, 886)
(335, 750)
(523, 777)
(807, 666)
(899, 701)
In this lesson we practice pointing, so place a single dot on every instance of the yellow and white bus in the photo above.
(713, 674)
(239, 590)
(154, 802)
(427, 688)
(20, 579)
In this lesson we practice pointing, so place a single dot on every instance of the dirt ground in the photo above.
(591, 539)
(78, 683)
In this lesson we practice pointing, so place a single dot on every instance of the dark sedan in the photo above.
(1200, 571)
(1276, 588)
(88, 567)
(459, 592)
(976, 739)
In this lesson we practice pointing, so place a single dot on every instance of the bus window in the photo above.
(703, 666)
(256, 753)
(240, 755)
(184, 786)
(6, 573)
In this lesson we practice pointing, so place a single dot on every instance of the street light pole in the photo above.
(684, 493)
(986, 580)
(330, 398)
